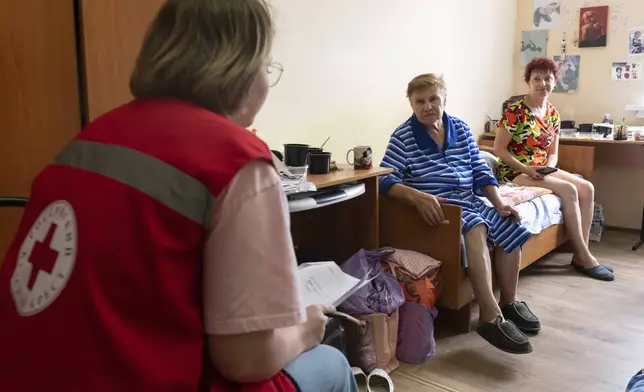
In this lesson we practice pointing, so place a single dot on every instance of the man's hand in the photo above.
(430, 208)
(509, 211)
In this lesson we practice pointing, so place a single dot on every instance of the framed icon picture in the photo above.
(593, 27)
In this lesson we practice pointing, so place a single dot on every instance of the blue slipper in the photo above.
(600, 272)
(607, 266)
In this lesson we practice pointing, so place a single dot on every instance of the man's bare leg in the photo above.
(480, 273)
(502, 334)
(507, 267)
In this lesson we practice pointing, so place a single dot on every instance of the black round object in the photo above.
(295, 155)
(320, 162)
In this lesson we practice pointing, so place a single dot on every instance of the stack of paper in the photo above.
(324, 283)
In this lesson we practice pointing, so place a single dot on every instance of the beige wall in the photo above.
(347, 64)
(619, 179)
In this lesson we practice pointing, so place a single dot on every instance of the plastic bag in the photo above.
(597, 226)
(416, 333)
(383, 294)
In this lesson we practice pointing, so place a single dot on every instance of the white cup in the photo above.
(362, 157)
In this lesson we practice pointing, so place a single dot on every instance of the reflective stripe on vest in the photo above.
(155, 178)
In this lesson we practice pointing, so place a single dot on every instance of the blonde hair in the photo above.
(207, 52)
(425, 81)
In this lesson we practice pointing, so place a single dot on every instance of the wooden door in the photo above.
(112, 34)
(39, 99)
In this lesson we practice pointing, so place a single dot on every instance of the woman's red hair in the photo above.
(541, 64)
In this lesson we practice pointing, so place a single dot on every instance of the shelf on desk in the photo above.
(326, 197)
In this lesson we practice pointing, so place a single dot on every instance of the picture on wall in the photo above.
(593, 27)
(546, 14)
(627, 71)
(568, 79)
(636, 41)
(533, 44)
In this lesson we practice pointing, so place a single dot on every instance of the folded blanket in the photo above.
(513, 194)
(414, 264)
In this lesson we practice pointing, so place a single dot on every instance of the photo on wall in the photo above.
(636, 41)
(568, 79)
(593, 27)
(546, 14)
(627, 71)
(533, 44)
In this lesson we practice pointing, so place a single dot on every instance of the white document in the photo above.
(324, 283)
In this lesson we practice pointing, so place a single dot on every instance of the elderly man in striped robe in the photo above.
(435, 160)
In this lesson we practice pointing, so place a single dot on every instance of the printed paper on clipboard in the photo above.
(324, 283)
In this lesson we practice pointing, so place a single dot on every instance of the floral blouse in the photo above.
(531, 137)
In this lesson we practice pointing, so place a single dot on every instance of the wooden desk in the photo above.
(598, 142)
(337, 231)
(581, 154)
(581, 140)
(627, 152)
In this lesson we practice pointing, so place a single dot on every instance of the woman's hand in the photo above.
(509, 211)
(315, 324)
(257, 356)
(531, 171)
(430, 208)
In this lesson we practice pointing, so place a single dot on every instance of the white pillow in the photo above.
(490, 159)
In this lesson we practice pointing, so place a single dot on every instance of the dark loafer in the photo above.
(600, 272)
(505, 336)
(519, 313)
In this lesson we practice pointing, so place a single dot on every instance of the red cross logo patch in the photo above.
(46, 259)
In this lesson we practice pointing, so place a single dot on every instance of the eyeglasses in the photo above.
(275, 71)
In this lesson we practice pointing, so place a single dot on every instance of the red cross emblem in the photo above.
(46, 259)
(43, 257)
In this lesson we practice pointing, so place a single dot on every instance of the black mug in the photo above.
(319, 162)
(295, 155)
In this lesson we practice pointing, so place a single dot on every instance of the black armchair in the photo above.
(13, 201)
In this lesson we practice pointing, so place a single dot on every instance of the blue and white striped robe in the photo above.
(456, 172)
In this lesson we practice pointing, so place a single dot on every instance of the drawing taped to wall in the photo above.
(533, 44)
(593, 27)
(636, 41)
(568, 79)
(546, 14)
(627, 71)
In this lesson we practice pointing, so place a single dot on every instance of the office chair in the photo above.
(641, 241)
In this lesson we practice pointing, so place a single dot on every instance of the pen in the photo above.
(346, 317)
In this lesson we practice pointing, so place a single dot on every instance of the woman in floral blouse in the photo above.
(527, 142)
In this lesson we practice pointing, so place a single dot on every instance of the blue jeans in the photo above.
(637, 383)
(323, 369)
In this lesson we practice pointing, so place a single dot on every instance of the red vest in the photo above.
(101, 287)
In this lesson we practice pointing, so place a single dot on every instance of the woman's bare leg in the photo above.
(569, 196)
(507, 267)
(586, 192)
